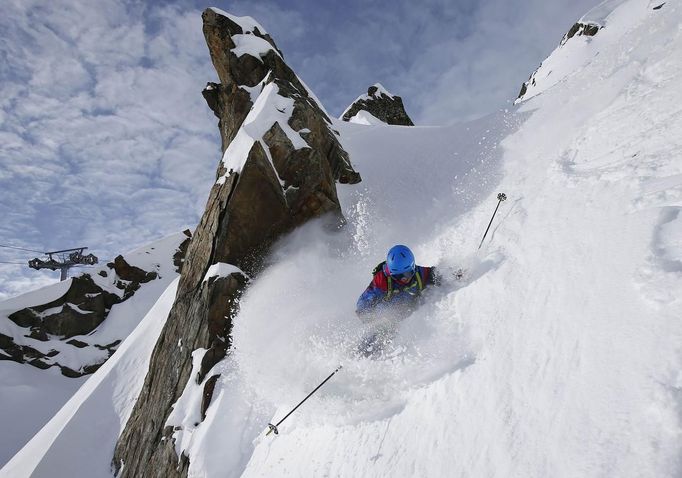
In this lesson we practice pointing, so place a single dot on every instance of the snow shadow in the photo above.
(666, 245)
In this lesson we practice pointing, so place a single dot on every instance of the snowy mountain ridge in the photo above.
(25, 319)
(30, 394)
(558, 356)
(578, 47)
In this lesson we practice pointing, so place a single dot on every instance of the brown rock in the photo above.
(207, 395)
(130, 273)
(246, 211)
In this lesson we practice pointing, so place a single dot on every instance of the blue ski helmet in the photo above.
(400, 260)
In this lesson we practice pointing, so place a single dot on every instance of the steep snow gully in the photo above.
(560, 353)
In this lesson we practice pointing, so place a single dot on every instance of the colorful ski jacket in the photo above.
(386, 295)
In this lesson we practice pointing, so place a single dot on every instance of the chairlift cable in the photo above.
(22, 249)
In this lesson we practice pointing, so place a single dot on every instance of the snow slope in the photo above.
(30, 397)
(560, 353)
(80, 439)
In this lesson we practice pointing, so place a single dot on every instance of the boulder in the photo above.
(380, 104)
(130, 273)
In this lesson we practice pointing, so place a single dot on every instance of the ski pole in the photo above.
(500, 197)
(273, 428)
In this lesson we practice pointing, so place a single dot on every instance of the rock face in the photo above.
(43, 332)
(382, 105)
(279, 169)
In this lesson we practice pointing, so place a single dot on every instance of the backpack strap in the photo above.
(381, 268)
(389, 288)
(420, 285)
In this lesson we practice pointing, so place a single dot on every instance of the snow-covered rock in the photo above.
(63, 325)
(378, 105)
(281, 162)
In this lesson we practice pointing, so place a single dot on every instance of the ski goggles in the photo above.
(404, 277)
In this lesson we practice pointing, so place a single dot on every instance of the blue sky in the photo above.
(106, 141)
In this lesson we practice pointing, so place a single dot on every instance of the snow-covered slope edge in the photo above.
(80, 439)
(579, 47)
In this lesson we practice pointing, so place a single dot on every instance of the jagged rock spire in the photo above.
(281, 161)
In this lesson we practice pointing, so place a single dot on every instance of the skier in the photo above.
(396, 286)
(393, 294)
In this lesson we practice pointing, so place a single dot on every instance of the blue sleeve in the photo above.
(368, 301)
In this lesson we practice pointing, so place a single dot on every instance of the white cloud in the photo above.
(94, 106)
(105, 140)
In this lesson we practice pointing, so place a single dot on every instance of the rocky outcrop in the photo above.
(589, 29)
(579, 29)
(130, 274)
(179, 256)
(280, 167)
(78, 312)
(382, 105)
(47, 330)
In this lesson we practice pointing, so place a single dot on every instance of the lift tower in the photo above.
(64, 260)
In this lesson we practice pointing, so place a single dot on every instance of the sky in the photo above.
(106, 141)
